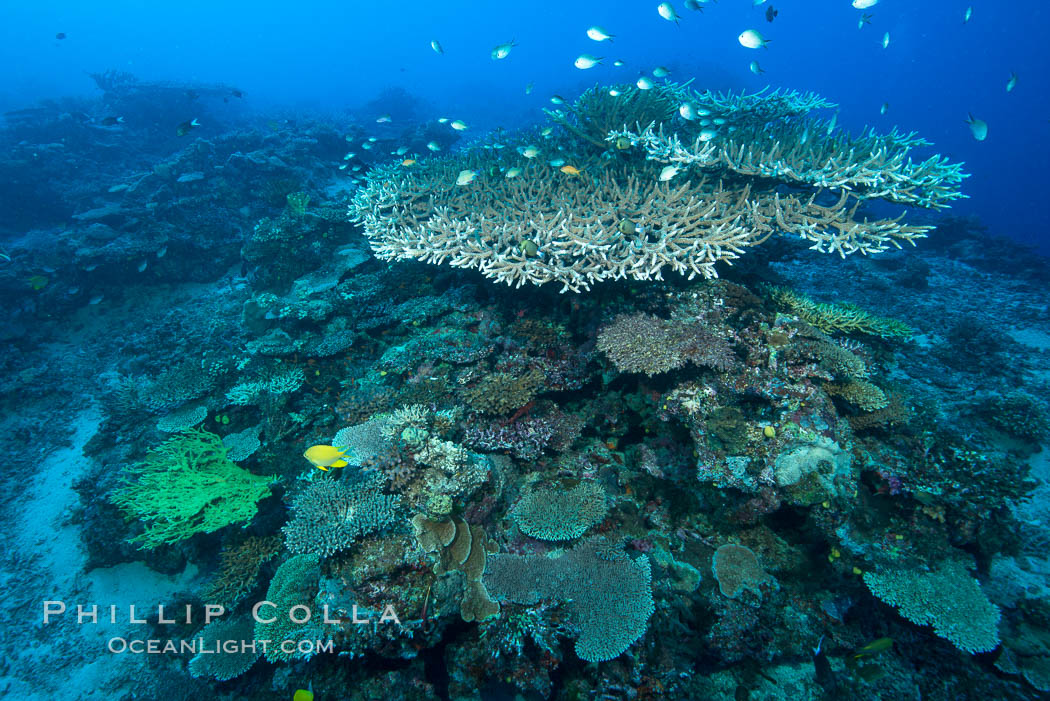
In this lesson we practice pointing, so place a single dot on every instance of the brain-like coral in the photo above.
(736, 568)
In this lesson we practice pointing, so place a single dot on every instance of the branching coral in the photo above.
(560, 514)
(187, 485)
(240, 568)
(295, 583)
(609, 595)
(764, 169)
(947, 598)
(644, 343)
(228, 649)
(842, 318)
(329, 515)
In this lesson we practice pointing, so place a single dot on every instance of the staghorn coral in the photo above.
(769, 136)
(239, 569)
(767, 172)
(608, 595)
(947, 598)
(365, 443)
(575, 224)
(560, 514)
(860, 393)
(243, 444)
(841, 318)
(183, 418)
(595, 112)
(329, 515)
(502, 392)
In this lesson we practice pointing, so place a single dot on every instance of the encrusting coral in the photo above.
(766, 169)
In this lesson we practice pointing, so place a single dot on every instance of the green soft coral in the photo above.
(838, 318)
(187, 485)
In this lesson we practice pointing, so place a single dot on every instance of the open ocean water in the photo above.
(484, 350)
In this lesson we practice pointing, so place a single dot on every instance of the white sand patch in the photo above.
(1033, 338)
(44, 560)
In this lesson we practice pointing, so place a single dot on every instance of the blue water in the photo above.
(337, 55)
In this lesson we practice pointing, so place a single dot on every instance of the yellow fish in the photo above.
(326, 456)
(408, 162)
(304, 694)
(570, 170)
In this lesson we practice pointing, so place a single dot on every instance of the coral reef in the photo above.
(622, 218)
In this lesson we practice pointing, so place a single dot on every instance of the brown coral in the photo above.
(645, 343)
(460, 548)
(239, 569)
(502, 392)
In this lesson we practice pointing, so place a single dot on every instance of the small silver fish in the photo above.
(644, 83)
(661, 72)
(466, 177)
(755, 68)
(667, 12)
(598, 34)
(1012, 83)
(503, 50)
(978, 127)
(886, 40)
(436, 46)
(968, 14)
(585, 61)
(667, 173)
(752, 39)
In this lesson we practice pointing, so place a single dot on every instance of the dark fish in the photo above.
(771, 13)
(822, 667)
(112, 121)
(236, 93)
(186, 127)
(60, 36)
